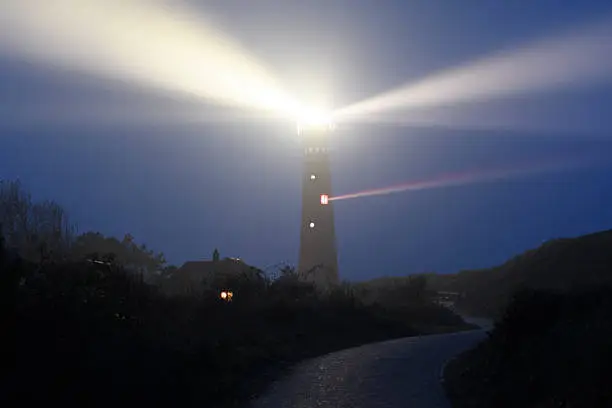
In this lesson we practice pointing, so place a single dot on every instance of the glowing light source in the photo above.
(314, 119)
(313, 177)
(324, 199)
(311, 225)
(226, 295)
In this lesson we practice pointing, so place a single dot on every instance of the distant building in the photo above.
(447, 298)
(195, 276)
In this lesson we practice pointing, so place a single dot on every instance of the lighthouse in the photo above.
(318, 259)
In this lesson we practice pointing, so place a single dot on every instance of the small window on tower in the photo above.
(324, 199)
(313, 177)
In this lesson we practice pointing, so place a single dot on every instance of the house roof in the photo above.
(197, 270)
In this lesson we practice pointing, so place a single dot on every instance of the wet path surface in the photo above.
(398, 373)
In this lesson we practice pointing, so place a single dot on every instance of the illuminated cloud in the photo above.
(580, 57)
(155, 43)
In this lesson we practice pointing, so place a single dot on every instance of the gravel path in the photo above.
(398, 373)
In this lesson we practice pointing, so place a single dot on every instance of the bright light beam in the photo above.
(153, 42)
(577, 58)
(470, 177)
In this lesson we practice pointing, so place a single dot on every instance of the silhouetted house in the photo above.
(195, 276)
(447, 298)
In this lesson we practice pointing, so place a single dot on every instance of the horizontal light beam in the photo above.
(576, 58)
(151, 42)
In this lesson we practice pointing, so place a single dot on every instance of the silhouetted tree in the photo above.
(35, 230)
(135, 258)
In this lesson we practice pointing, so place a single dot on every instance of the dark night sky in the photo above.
(119, 161)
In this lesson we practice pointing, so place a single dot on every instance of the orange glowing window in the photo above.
(324, 199)
(226, 295)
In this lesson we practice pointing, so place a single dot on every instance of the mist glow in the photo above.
(152, 42)
(580, 57)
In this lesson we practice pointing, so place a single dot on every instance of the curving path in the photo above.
(398, 373)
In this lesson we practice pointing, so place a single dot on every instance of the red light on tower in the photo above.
(324, 199)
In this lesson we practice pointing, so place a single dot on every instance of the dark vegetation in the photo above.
(549, 350)
(559, 265)
(552, 344)
(90, 325)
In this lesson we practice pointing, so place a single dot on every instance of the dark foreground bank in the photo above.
(548, 350)
(88, 334)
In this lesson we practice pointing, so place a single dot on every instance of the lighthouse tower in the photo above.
(318, 261)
